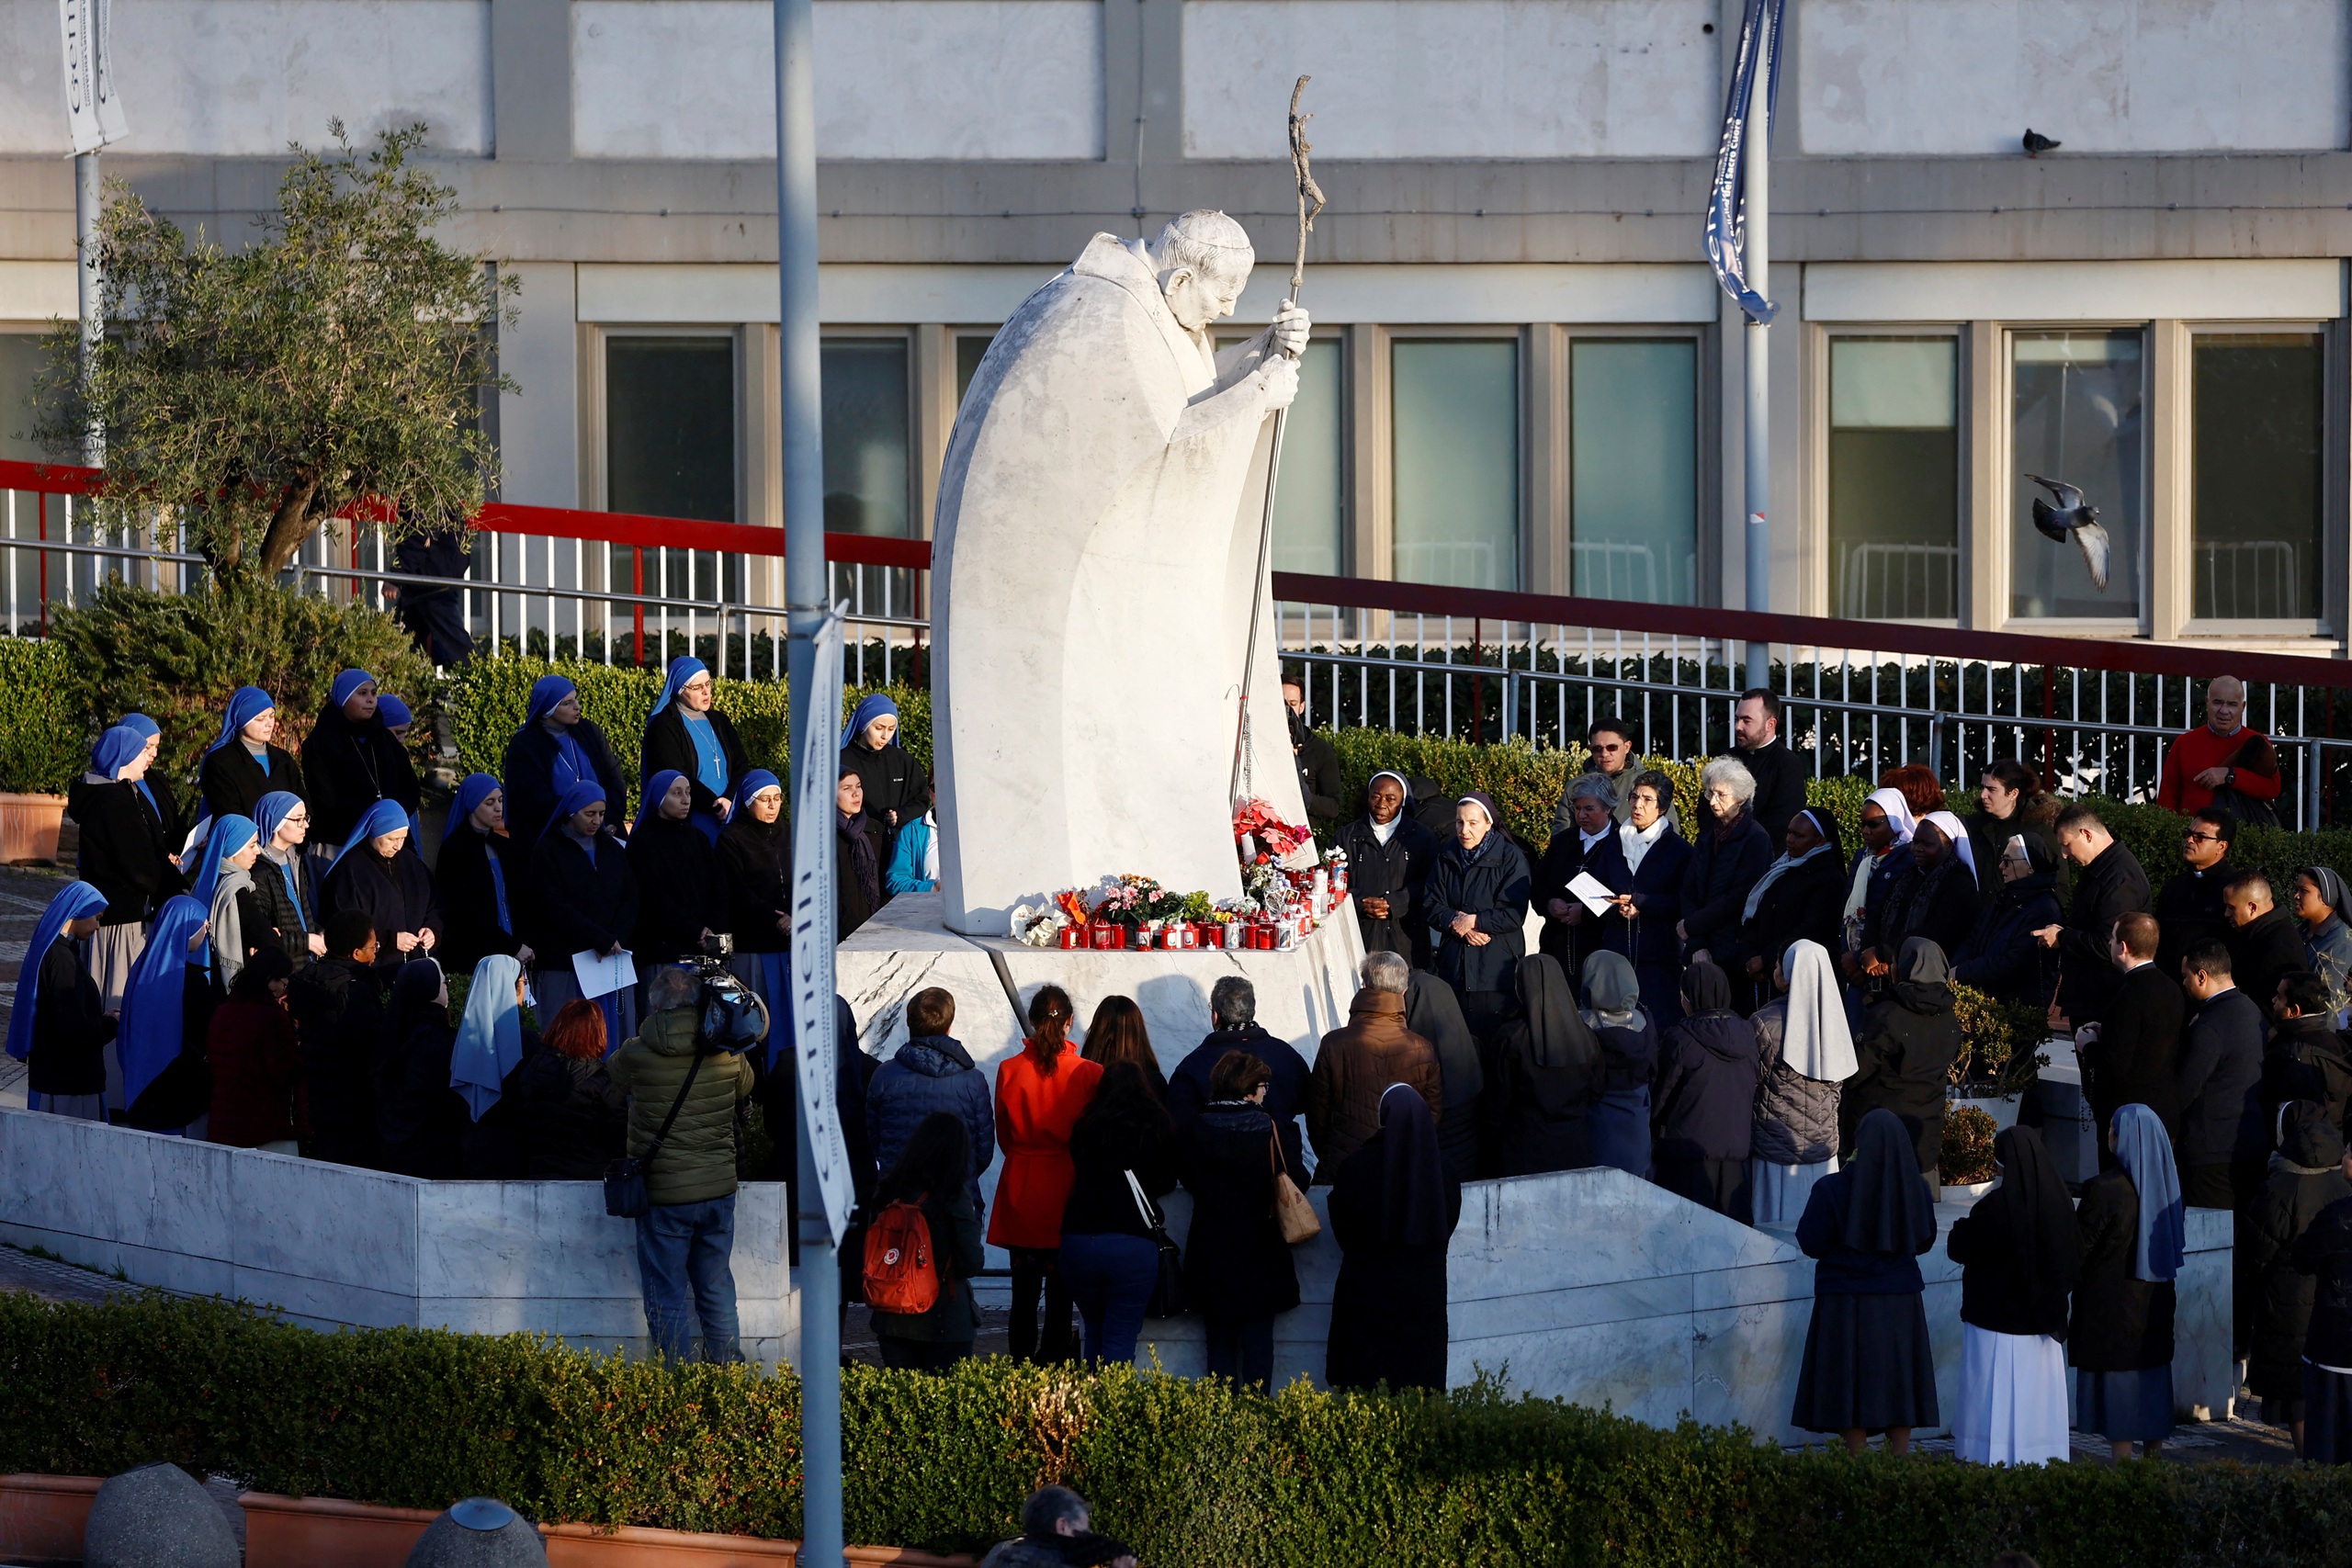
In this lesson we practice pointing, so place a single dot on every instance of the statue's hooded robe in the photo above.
(1095, 561)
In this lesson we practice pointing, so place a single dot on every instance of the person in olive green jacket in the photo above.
(685, 1243)
(931, 1174)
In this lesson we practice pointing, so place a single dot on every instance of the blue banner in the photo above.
(1727, 205)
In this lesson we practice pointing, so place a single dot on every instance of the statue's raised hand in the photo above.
(1288, 333)
(1278, 379)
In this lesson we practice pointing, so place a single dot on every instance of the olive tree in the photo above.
(336, 359)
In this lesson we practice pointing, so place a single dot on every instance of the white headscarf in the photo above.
(1384, 831)
(1815, 1042)
(1950, 828)
(1898, 812)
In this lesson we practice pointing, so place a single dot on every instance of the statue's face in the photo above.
(1196, 299)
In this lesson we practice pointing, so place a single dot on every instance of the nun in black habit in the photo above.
(379, 874)
(689, 736)
(1393, 1211)
(243, 763)
(480, 878)
(1390, 856)
(583, 899)
(682, 899)
(1546, 1070)
(756, 866)
(1434, 1012)
(1708, 1068)
(1867, 1366)
(419, 1117)
(554, 749)
(352, 760)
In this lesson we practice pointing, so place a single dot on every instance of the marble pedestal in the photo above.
(329, 1246)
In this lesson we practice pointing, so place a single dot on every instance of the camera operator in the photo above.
(687, 1062)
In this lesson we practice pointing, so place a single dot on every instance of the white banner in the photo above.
(92, 113)
(815, 1050)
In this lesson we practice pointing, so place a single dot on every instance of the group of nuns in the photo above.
(533, 869)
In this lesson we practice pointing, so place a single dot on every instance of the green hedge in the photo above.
(488, 696)
(1191, 1472)
(43, 743)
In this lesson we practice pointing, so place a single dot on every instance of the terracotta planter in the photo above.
(28, 827)
(42, 1516)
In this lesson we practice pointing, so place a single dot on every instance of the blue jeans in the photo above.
(1110, 1278)
(682, 1253)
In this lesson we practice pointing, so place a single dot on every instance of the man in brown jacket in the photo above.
(1356, 1064)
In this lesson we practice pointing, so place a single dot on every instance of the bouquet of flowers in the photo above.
(1132, 900)
(1038, 925)
(1255, 819)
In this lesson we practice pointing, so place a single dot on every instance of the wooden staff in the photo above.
(1308, 192)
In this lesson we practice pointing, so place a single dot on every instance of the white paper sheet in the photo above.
(1591, 892)
(601, 976)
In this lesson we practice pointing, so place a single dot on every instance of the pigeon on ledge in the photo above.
(2036, 144)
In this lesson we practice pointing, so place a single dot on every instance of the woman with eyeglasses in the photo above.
(2000, 956)
(282, 886)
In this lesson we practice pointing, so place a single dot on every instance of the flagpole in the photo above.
(1756, 425)
(90, 295)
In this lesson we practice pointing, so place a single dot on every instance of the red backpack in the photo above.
(901, 1275)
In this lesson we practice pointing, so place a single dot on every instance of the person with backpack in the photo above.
(922, 1249)
(930, 1073)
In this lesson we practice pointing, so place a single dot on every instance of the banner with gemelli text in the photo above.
(92, 114)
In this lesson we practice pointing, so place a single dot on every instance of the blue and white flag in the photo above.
(1727, 206)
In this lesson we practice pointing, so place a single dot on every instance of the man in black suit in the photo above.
(2109, 885)
(2225, 1146)
(2188, 906)
(2266, 941)
(2132, 1056)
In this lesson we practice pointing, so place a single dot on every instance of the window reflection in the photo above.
(2260, 423)
(1634, 473)
(2075, 402)
(1895, 477)
(1455, 406)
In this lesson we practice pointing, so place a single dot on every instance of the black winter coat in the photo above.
(2262, 951)
(755, 862)
(930, 1074)
(2306, 1059)
(1808, 901)
(233, 783)
(350, 767)
(2120, 1322)
(1188, 1086)
(1492, 886)
(679, 890)
(2112, 886)
(2306, 1179)
(894, 781)
(578, 904)
(338, 1018)
(1103, 1149)
(574, 1120)
(397, 895)
(1940, 907)
(70, 1026)
(2325, 1252)
(529, 771)
(1715, 885)
(1235, 1263)
(1518, 1137)
(1993, 1294)
(2136, 1058)
(1319, 781)
(2218, 1084)
(1656, 887)
(2000, 956)
(1903, 1054)
(419, 1117)
(667, 748)
(126, 849)
(288, 915)
(1707, 1072)
(1780, 775)
(1563, 859)
(470, 931)
(852, 907)
(2189, 910)
(1396, 870)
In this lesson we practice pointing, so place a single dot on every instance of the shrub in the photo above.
(1968, 1145)
(43, 742)
(489, 696)
(1191, 1472)
(1997, 1039)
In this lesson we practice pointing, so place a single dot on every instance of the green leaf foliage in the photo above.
(43, 743)
(176, 657)
(489, 696)
(1189, 1471)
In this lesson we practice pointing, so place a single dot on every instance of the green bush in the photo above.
(489, 697)
(176, 657)
(1190, 1472)
(43, 742)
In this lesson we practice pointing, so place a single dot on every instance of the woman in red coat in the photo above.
(1039, 1094)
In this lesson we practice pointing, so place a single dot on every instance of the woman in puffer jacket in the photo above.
(1807, 1051)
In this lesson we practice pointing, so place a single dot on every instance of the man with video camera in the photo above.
(685, 1073)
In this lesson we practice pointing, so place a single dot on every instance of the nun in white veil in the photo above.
(1807, 1051)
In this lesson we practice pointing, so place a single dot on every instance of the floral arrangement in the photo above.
(1255, 819)
(1039, 925)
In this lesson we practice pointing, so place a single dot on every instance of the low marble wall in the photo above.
(1596, 1287)
(329, 1247)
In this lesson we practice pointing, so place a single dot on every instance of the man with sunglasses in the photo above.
(2189, 907)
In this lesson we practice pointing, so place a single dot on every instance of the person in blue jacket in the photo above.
(932, 1072)
(914, 858)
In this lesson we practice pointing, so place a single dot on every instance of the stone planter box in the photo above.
(28, 827)
(42, 1519)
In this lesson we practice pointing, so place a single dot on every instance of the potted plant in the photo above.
(42, 749)
(1997, 1061)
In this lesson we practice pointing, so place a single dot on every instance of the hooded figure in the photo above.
(1545, 1068)
(679, 892)
(1807, 1051)
(1903, 1054)
(1627, 1038)
(2306, 1177)
(2000, 956)
(547, 756)
(2120, 1338)
(1393, 1211)
(126, 853)
(394, 891)
(56, 1020)
(1868, 1365)
(700, 746)
(897, 791)
(237, 770)
(2020, 1256)
(1434, 1012)
(479, 875)
(1707, 1074)
(352, 760)
(166, 1008)
(2327, 941)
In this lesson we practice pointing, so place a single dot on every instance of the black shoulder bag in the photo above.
(626, 1195)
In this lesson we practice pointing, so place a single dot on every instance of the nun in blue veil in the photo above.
(689, 736)
(491, 1043)
(167, 1083)
(244, 761)
(56, 1020)
(583, 903)
(554, 749)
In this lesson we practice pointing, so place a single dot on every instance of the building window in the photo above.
(1310, 517)
(867, 467)
(2075, 412)
(971, 349)
(1634, 469)
(1455, 408)
(669, 426)
(1895, 477)
(2260, 424)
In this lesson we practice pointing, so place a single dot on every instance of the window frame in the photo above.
(1384, 347)
(2004, 465)
(2332, 507)
(595, 482)
(1706, 439)
(1816, 581)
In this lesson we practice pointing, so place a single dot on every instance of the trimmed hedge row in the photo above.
(42, 748)
(1192, 1473)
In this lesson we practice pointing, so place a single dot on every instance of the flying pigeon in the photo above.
(2073, 516)
(2036, 144)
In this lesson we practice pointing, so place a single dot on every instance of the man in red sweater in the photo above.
(2220, 752)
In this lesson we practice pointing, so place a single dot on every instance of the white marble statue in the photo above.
(1094, 561)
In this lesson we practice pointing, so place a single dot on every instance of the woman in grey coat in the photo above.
(1807, 1051)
